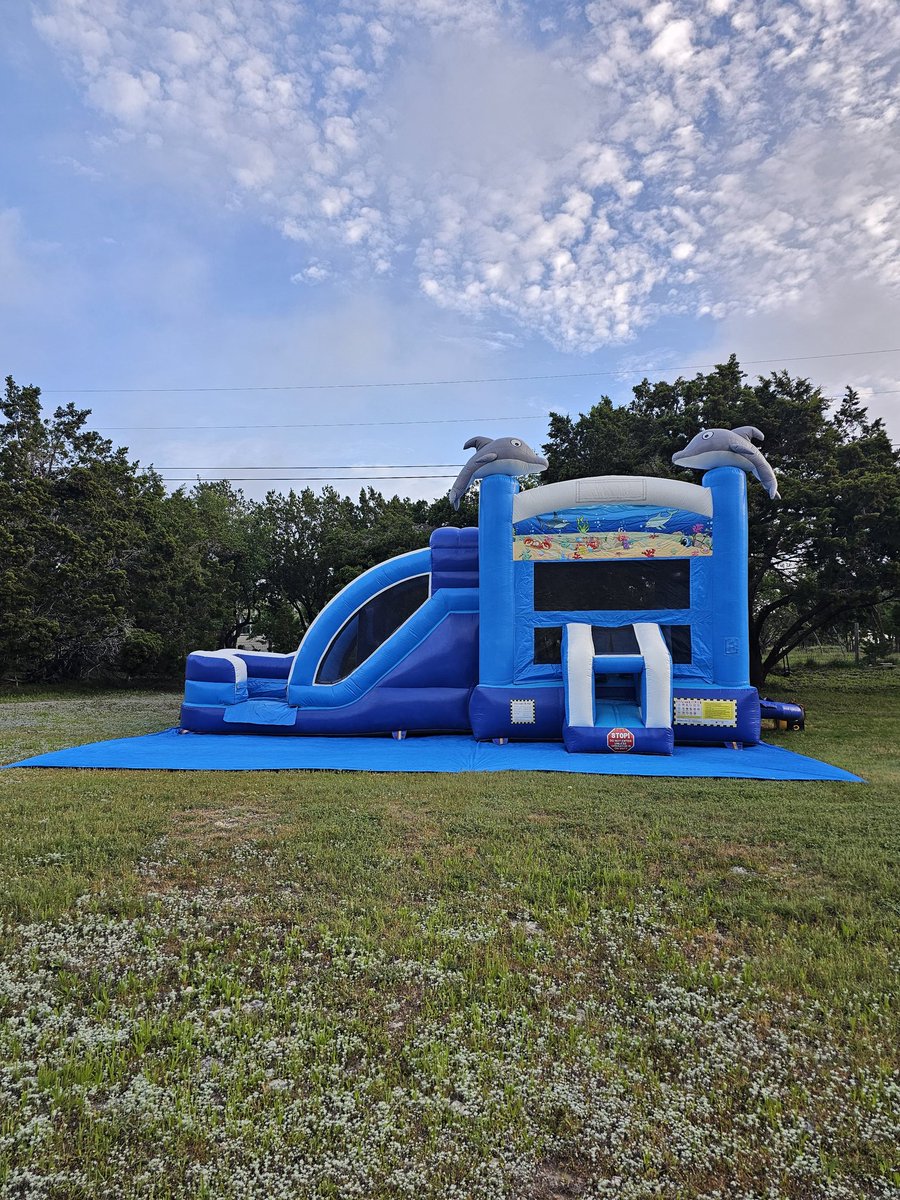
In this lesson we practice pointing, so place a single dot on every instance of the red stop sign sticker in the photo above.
(620, 740)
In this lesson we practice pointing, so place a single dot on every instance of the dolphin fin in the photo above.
(481, 460)
(750, 432)
(476, 443)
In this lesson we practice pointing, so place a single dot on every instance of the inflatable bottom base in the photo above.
(177, 751)
(619, 739)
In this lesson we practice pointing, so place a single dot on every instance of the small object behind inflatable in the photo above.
(782, 713)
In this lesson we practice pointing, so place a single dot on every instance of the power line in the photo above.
(324, 387)
(360, 424)
(338, 424)
(298, 478)
(308, 467)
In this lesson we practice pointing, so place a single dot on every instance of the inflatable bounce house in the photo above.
(609, 613)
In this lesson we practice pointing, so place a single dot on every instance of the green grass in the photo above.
(327, 985)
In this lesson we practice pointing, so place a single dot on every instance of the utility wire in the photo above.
(313, 387)
(340, 424)
(309, 467)
(368, 424)
(298, 478)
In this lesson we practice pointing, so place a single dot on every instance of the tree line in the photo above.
(106, 574)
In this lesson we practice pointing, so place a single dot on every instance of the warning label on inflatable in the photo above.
(620, 740)
(693, 710)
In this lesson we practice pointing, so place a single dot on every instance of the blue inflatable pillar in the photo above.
(497, 606)
(730, 603)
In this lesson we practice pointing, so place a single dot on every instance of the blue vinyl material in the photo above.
(408, 644)
(210, 668)
(698, 616)
(344, 605)
(497, 637)
(454, 558)
(618, 664)
(263, 665)
(747, 728)
(207, 691)
(583, 740)
(173, 751)
(383, 710)
(466, 655)
(729, 604)
(267, 689)
(490, 712)
(260, 712)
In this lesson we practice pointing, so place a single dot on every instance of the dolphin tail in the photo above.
(461, 486)
(750, 432)
(766, 477)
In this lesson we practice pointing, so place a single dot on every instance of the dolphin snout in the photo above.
(540, 461)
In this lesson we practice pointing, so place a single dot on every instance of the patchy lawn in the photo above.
(325, 985)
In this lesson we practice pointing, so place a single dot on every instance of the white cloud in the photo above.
(581, 179)
(832, 314)
(672, 45)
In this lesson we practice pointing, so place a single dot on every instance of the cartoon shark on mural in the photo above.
(661, 520)
(495, 456)
(729, 448)
(553, 523)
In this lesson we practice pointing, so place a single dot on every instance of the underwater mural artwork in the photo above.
(613, 531)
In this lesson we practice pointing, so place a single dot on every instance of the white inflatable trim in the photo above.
(612, 489)
(240, 667)
(580, 675)
(658, 673)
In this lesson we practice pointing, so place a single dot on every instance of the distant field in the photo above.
(467, 987)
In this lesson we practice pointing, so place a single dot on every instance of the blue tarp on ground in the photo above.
(175, 751)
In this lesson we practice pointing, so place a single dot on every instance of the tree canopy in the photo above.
(827, 551)
(103, 572)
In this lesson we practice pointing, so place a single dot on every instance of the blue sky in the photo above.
(265, 192)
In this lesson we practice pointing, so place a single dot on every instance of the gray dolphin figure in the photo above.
(729, 448)
(495, 456)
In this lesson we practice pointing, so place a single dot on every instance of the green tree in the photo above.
(318, 543)
(828, 550)
(73, 523)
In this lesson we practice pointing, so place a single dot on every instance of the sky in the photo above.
(261, 194)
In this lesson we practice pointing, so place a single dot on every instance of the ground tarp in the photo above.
(172, 750)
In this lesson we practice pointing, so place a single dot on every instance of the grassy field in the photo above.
(468, 987)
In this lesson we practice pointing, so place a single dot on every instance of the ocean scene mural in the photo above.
(612, 531)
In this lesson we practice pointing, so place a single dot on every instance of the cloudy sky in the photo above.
(264, 193)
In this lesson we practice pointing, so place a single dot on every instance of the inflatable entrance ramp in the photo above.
(618, 689)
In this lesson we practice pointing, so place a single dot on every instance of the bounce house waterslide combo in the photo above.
(600, 618)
